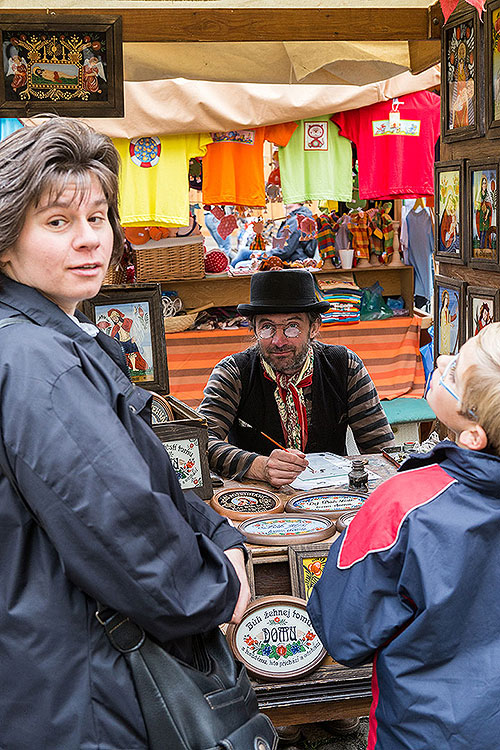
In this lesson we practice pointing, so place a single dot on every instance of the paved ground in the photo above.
(315, 738)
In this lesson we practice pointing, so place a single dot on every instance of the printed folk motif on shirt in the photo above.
(245, 137)
(316, 136)
(145, 152)
(401, 127)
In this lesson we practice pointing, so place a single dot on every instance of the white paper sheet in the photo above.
(325, 470)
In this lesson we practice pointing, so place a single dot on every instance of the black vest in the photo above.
(328, 423)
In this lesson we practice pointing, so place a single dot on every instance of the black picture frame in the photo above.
(67, 65)
(462, 101)
(139, 306)
(448, 341)
(476, 314)
(450, 212)
(492, 68)
(303, 577)
(482, 194)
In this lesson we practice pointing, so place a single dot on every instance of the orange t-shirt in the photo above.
(233, 167)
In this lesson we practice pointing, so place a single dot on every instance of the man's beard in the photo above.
(288, 366)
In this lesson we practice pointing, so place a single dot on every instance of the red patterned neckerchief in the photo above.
(290, 400)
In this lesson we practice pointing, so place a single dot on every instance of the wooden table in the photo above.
(332, 691)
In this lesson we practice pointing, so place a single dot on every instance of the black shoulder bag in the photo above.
(209, 706)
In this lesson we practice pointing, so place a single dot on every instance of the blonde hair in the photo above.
(481, 389)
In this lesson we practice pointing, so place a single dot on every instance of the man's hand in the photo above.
(280, 468)
(237, 559)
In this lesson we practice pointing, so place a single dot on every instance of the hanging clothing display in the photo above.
(154, 178)
(395, 143)
(233, 167)
(420, 238)
(316, 164)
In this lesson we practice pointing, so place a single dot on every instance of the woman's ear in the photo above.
(474, 438)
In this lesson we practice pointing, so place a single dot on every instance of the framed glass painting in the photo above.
(69, 65)
(492, 69)
(482, 213)
(449, 181)
(307, 562)
(483, 308)
(461, 84)
(132, 315)
(449, 315)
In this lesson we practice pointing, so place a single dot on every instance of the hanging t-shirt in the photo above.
(154, 178)
(316, 164)
(420, 245)
(396, 160)
(233, 168)
(9, 125)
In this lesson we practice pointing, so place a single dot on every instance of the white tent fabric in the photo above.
(186, 106)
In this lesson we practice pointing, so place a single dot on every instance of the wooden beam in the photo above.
(436, 20)
(150, 24)
(423, 54)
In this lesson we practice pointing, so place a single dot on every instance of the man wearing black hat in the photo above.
(300, 392)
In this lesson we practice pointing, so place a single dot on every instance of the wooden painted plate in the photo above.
(344, 520)
(280, 529)
(161, 411)
(240, 503)
(275, 639)
(331, 503)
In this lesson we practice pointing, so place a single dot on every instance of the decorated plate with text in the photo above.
(275, 639)
(280, 529)
(344, 520)
(330, 504)
(161, 411)
(240, 503)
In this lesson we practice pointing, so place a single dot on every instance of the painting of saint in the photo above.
(129, 324)
(449, 212)
(484, 210)
(482, 314)
(461, 74)
(448, 321)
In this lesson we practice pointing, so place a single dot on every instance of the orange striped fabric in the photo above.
(388, 348)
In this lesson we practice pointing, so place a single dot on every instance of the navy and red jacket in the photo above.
(413, 585)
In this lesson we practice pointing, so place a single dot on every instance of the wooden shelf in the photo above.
(225, 291)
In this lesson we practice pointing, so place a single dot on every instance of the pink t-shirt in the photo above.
(395, 160)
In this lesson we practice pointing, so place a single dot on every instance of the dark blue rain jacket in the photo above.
(414, 586)
(114, 526)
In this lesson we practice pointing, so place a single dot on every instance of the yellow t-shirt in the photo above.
(154, 184)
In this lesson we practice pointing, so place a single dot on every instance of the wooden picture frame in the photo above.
(492, 68)
(68, 65)
(482, 213)
(307, 562)
(483, 307)
(450, 212)
(187, 447)
(275, 639)
(462, 103)
(449, 315)
(283, 529)
(133, 316)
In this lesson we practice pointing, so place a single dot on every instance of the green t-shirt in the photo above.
(317, 163)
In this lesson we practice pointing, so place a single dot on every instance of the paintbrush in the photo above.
(245, 424)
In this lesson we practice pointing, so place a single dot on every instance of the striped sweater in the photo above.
(222, 395)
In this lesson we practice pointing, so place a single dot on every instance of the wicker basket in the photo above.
(178, 323)
(171, 258)
(116, 275)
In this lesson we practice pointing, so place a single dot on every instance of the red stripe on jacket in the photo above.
(375, 527)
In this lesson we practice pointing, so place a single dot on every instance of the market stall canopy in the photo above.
(314, 41)
(184, 106)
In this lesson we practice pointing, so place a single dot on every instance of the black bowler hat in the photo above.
(282, 291)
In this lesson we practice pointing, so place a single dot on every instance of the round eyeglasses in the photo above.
(290, 330)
